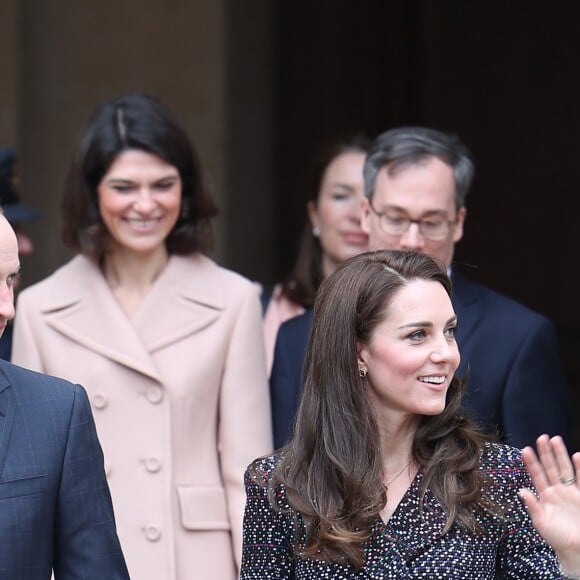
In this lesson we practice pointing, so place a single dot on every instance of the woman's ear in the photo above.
(312, 212)
(361, 354)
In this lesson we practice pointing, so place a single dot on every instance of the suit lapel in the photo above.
(6, 420)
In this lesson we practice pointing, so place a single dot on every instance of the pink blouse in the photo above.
(279, 310)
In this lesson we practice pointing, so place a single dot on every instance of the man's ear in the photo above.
(458, 227)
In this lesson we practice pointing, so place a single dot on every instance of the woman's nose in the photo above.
(444, 350)
(356, 210)
(144, 201)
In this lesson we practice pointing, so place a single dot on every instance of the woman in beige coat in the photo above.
(167, 343)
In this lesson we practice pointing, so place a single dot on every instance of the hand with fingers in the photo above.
(555, 512)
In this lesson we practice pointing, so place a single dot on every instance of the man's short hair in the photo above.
(404, 146)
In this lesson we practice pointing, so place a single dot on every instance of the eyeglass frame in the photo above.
(410, 221)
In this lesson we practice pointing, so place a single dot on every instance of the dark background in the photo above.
(500, 75)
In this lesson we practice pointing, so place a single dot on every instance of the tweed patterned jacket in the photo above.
(411, 543)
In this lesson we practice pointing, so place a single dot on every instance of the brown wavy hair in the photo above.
(141, 122)
(332, 466)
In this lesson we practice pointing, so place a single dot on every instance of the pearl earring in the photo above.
(316, 231)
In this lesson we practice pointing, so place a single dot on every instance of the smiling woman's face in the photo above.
(412, 354)
(139, 200)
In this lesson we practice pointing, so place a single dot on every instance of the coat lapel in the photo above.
(412, 539)
(183, 300)
(413, 531)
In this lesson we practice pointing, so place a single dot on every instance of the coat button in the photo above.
(154, 394)
(153, 464)
(100, 401)
(152, 533)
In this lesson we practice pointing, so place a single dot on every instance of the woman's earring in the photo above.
(316, 231)
(362, 373)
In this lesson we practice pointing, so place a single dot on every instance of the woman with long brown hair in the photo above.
(383, 477)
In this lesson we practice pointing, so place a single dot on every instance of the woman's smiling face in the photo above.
(412, 355)
(139, 200)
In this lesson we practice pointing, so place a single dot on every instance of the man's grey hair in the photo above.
(404, 146)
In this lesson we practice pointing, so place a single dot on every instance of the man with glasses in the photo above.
(416, 182)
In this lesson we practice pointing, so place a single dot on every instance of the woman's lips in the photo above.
(357, 239)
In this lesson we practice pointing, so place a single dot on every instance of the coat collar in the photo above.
(185, 298)
(466, 304)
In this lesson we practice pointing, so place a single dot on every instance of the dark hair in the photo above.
(332, 466)
(405, 146)
(134, 121)
(302, 282)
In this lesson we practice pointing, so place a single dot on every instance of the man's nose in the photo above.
(412, 239)
(6, 303)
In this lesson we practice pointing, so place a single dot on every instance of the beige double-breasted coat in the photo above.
(180, 398)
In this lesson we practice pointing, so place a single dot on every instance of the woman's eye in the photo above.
(417, 335)
(165, 185)
(450, 332)
(122, 188)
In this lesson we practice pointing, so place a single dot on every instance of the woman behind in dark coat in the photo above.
(383, 478)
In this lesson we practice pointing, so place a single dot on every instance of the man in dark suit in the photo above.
(56, 514)
(416, 182)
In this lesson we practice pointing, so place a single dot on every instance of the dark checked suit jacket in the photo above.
(509, 353)
(55, 508)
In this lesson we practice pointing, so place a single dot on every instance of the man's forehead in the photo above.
(9, 255)
(425, 199)
(8, 242)
(395, 167)
(8, 251)
(428, 183)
